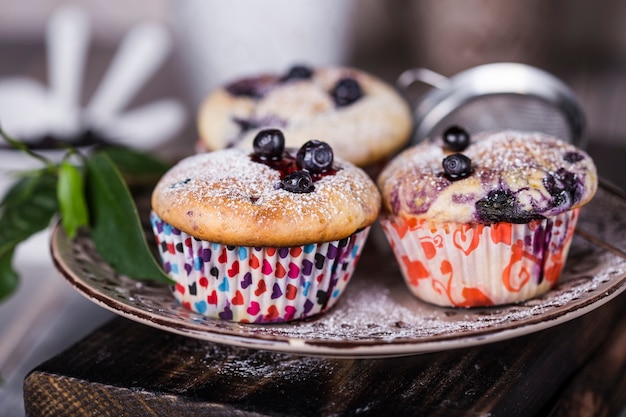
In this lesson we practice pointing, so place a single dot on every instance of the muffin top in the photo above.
(363, 118)
(237, 197)
(510, 176)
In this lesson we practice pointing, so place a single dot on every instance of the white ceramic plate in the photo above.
(376, 316)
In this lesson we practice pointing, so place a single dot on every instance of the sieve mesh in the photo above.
(495, 96)
(506, 111)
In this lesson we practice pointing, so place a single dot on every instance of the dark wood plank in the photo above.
(599, 388)
(126, 368)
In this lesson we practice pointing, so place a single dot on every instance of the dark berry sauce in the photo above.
(502, 206)
(288, 164)
(564, 187)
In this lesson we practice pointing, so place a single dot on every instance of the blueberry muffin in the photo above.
(265, 235)
(486, 220)
(361, 117)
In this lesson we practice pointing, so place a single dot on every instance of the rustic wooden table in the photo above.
(125, 368)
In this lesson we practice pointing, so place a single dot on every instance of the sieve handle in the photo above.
(423, 75)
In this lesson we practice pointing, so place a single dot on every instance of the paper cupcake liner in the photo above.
(256, 284)
(471, 265)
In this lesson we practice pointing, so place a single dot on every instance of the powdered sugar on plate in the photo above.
(377, 316)
(388, 313)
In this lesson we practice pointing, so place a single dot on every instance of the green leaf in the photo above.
(70, 192)
(26, 209)
(115, 226)
(9, 279)
(135, 164)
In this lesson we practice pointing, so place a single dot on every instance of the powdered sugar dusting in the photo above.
(371, 128)
(231, 173)
(545, 176)
(222, 189)
(391, 314)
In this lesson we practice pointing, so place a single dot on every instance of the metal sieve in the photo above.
(495, 97)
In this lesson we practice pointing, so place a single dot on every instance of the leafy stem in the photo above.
(86, 192)
(21, 146)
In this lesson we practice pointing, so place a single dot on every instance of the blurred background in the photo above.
(581, 42)
(211, 41)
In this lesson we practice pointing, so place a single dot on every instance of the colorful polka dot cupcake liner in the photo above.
(256, 284)
(472, 265)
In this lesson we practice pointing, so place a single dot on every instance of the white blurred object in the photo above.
(140, 54)
(163, 117)
(24, 108)
(29, 110)
(67, 40)
(222, 40)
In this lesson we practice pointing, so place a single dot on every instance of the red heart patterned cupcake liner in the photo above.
(471, 265)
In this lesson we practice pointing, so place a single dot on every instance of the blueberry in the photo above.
(298, 182)
(248, 87)
(269, 144)
(245, 125)
(457, 166)
(502, 206)
(346, 92)
(298, 72)
(573, 157)
(315, 156)
(456, 139)
(564, 187)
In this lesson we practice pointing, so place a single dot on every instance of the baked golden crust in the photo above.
(517, 177)
(226, 197)
(374, 127)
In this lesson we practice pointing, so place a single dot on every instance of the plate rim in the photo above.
(326, 348)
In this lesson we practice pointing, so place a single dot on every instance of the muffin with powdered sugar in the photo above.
(486, 220)
(364, 119)
(265, 235)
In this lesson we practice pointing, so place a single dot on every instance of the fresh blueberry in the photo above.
(315, 156)
(457, 166)
(298, 182)
(269, 144)
(298, 72)
(346, 92)
(456, 139)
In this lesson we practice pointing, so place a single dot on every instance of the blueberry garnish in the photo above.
(346, 92)
(245, 124)
(248, 87)
(315, 156)
(572, 157)
(269, 144)
(180, 183)
(298, 182)
(298, 72)
(456, 139)
(457, 166)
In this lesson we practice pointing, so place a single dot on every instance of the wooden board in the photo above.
(126, 368)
